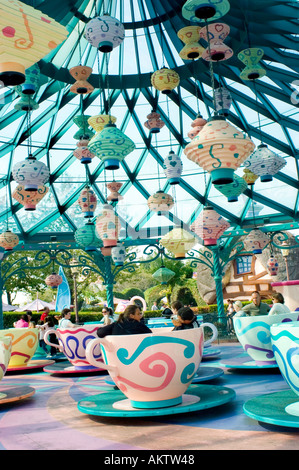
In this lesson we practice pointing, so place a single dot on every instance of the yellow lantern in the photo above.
(178, 241)
(100, 121)
(8, 240)
(26, 36)
(165, 80)
(160, 202)
(192, 49)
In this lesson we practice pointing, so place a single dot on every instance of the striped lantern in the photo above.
(178, 241)
(84, 132)
(31, 173)
(209, 226)
(87, 202)
(220, 149)
(265, 163)
(29, 199)
(83, 153)
(105, 33)
(173, 167)
(233, 190)
(256, 241)
(8, 240)
(223, 101)
(205, 10)
(87, 238)
(108, 226)
(160, 202)
(197, 125)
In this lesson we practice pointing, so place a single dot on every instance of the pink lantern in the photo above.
(114, 187)
(209, 226)
(87, 201)
(108, 226)
(197, 126)
(220, 149)
(29, 199)
(154, 123)
(256, 241)
(215, 34)
(272, 266)
(54, 280)
(82, 152)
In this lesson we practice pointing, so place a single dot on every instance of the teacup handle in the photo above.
(215, 332)
(91, 359)
(51, 332)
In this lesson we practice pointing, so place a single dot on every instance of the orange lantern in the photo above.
(29, 199)
(81, 73)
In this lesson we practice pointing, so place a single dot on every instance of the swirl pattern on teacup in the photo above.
(74, 344)
(286, 349)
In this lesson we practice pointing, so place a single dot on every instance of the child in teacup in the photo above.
(186, 319)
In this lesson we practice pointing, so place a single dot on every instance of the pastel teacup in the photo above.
(72, 342)
(153, 370)
(254, 334)
(285, 344)
(5, 353)
(24, 345)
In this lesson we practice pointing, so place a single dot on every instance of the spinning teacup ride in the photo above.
(153, 373)
(253, 332)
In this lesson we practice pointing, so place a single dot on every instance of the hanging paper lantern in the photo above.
(234, 189)
(108, 226)
(32, 80)
(154, 122)
(8, 240)
(82, 152)
(100, 121)
(81, 86)
(265, 163)
(160, 202)
(178, 241)
(249, 177)
(114, 187)
(165, 80)
(86, 237)
(29, 199)
(223, 101)
(214, 34)
(256, 241)
(118, 254)
(88, 202)
(111, 145)
(84, 133)
(192, 49)
(272, 266)
(163, 275)
(251, 57)
(209, 226)
(205, 10)
(31, 173)
(220, 149)
(197, 125)
(106, 251)
(17, 22)
(26, 103)
(105, 33)
(53, 281)
(173, 167)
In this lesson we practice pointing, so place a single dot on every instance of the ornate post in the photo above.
(1, 305)
(109, 281)
(217, 271)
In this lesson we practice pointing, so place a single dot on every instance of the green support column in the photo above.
(218, 283)
(1, 305)
(109, 281)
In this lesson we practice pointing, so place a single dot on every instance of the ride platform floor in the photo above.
(50, 419)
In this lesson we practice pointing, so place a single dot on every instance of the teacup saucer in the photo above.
(198, 397)
(207, 373)
(65, 367)
(247, 365)
(210, 353)
(37, 364)
(271, 408)
(12, 394)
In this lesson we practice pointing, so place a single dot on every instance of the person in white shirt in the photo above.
(278, 305)
(65, 321)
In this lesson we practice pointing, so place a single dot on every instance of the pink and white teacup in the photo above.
(72, 342)
(153, 370)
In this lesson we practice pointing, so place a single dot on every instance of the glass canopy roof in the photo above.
(266, 109)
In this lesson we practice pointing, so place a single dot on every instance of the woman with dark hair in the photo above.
(278, 304)
(128, 323)
(108, 315)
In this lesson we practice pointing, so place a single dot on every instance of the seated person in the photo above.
(128, 323)
(108, 315)
(238, 309)
(256, 307)
(166, 311)
(175, 307)
(278, 305)
(65, 321)
(186, 319)
(23, 322)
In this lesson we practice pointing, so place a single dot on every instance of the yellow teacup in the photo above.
(24, 345)
(5, 353)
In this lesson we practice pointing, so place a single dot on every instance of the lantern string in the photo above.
(108, 89)
(79, 44)
(211, 67)
(258, 114)
(170, 138)
(158, 171)
(29, 133)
